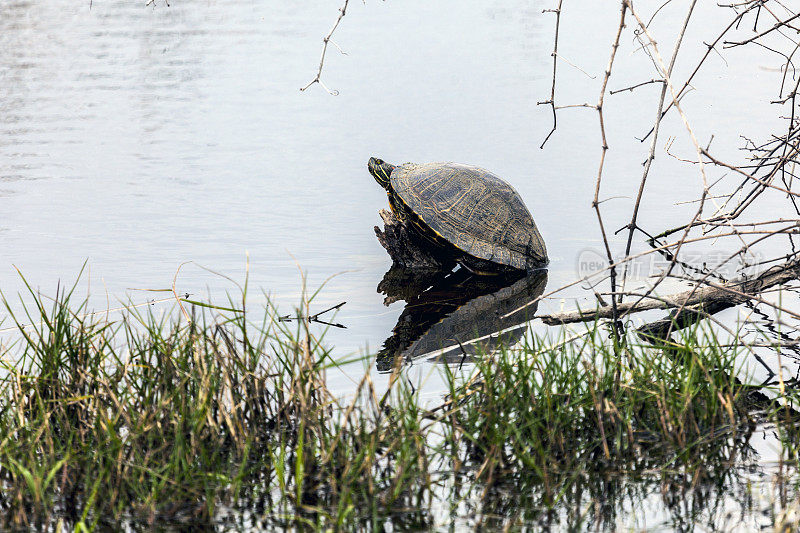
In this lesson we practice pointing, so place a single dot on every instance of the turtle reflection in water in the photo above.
(458, 314)
(464, 212)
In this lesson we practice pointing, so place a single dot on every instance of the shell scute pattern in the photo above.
(476, 211)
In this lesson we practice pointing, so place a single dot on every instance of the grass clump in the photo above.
(570, 424)
(146, 421)
(592, 399)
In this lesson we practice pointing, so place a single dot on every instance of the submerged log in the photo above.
(708, 299)
(406, 249)
(659, 332)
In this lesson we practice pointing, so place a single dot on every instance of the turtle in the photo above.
(466, 211)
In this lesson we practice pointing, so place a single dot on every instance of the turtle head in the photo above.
(380, 170)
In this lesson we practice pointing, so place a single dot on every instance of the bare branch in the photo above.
(604, 149)
(632, 87)
(632, 225)
(731, 294)
(325, 41)
(552, 100)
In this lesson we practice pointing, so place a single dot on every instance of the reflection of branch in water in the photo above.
(784, 340)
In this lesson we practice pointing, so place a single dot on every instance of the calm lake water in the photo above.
(139, 138)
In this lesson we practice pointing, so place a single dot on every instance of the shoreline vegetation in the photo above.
(146, 421)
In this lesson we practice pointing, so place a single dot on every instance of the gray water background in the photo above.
(138, 138)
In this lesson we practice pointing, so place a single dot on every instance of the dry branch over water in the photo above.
(730, 190)
(328, 39)
(711, 296)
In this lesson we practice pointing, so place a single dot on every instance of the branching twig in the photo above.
(325, 41)
(632, 87)
(552, 101)
(316, 317)
(604, 149)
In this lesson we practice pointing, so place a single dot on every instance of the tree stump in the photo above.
(400, 283)
(407, 249)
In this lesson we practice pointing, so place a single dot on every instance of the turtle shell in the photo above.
(472, 209)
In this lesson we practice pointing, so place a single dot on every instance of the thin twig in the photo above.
(552, 101)
(325, 41)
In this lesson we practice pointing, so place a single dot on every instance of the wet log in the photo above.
(406, 249)
(709, 299)
(685, 317)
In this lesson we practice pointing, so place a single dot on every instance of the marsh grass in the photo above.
(146, 420)
(150, 419)
(541, 428)
(590, 401)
